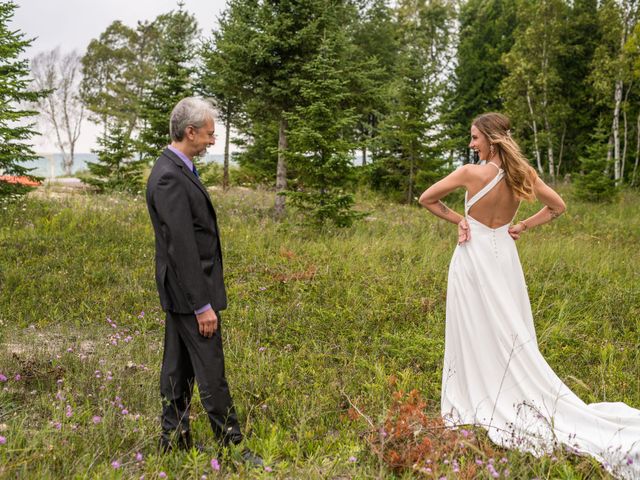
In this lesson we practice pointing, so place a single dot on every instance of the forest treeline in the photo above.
(321, 95)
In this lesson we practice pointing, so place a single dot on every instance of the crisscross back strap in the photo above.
(486, 189)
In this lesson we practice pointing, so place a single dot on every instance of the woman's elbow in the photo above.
(559, 209)
(425, 199)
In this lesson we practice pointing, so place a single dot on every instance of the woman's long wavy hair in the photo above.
(519, 175)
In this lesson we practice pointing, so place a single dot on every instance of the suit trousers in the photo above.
(188, 356)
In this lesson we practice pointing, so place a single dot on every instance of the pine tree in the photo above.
(116, 168)
(320, 140)
(409, 155)
(594, 182)
(14, 89)
(177, 33)
(485, 35)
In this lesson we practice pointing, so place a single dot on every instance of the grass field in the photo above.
(322, 329)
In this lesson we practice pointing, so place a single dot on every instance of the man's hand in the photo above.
(464, 233)
(207, 323)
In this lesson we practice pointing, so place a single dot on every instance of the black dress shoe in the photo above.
(252, 459)
(169, 440)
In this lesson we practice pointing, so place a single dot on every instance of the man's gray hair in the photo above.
(189, 111)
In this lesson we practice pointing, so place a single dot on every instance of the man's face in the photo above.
(201, 138)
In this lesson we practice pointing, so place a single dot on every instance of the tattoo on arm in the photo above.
(553, 214)
(443, 208)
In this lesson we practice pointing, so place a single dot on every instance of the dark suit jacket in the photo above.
(188, 253)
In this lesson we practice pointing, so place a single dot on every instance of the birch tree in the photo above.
(62, 109)
(533, 87)
(612, 74)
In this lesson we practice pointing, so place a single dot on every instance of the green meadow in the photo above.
(323, 328)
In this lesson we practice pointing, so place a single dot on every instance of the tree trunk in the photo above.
(225, 164)
(624, 144)
(281, 170)
(552, 167)
(564, 132)
(616, 132)
(412, 162)
(635, 165)
(535, 131)
(607, 170)
(364, 155)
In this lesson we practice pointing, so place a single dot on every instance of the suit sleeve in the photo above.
(176, 221)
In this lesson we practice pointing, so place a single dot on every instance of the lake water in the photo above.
(50, 165)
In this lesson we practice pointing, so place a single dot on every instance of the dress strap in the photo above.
(486, 189)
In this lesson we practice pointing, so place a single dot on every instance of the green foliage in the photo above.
(316, 324)
(14, 90)
(174, 79)
(594, 182)
(320, 143)
(116, 168)
(408, 138)
(116, 68)
(485, 35)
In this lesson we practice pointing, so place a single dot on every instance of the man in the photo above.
(190, 282)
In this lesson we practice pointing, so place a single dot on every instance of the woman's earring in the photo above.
(491, 150)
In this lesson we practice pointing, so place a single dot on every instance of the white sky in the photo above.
(72, 24)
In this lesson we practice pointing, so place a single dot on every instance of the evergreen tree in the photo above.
(410, 155)
(14, 89)
(267, 44)
(116, 168)
(594, 182)
(485, 35)
(177, 33)
(373, 62)
(320, 140)
(218, 80)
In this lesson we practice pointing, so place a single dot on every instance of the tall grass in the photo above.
(320, 324)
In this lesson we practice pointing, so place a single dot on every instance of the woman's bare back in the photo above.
(498, 207)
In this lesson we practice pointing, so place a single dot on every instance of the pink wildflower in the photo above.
(3, 440)
(96, 419)
(215, 465)
(115, 464)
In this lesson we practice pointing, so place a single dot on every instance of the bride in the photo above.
(494, 375)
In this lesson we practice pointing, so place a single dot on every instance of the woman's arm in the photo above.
(554, 206)
(430, 199)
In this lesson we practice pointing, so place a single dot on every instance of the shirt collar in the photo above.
(182, 157)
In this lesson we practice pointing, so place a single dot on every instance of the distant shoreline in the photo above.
(49, 165)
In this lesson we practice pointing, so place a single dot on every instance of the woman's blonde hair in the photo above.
(519, 175)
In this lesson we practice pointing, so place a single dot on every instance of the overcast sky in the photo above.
(72, 24)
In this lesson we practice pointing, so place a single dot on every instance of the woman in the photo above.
(494, 375)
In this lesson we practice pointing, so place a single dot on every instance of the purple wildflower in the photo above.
(162, 475)
(215, 465)
(353, 459)
(115, 464)
(18, 377)
(96, 419)
(138, 457)
(3, 440)
(268, 469)
(3, 378)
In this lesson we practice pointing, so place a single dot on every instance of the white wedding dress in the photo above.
(495, 376)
